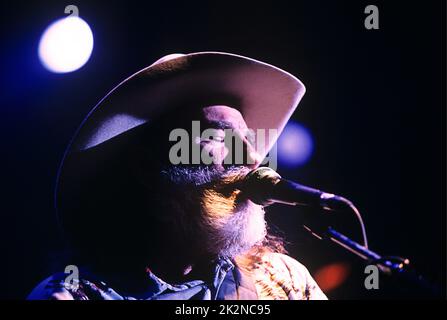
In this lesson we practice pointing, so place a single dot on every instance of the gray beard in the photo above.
(226, 236)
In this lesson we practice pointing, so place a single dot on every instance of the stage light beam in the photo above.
(66, 45)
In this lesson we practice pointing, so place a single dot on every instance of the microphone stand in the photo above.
(394, 266)
(266, 187)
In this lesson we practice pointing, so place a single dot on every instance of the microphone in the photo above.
(264, 186)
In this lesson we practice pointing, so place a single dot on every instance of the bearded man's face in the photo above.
(205, 204)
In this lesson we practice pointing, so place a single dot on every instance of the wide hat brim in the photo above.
(266, 97)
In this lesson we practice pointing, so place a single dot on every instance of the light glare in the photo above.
(66, 45)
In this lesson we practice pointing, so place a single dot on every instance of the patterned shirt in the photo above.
(275, 276)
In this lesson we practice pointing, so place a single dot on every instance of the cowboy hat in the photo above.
(93, 180)
(266, 97)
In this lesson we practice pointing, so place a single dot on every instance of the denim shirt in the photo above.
(226, 284)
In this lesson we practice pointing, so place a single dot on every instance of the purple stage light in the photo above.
(295, 145)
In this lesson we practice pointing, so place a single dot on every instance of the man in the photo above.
(149, 219)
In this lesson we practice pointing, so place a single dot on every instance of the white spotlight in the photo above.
(66, 45)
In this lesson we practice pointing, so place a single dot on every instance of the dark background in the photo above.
(374, 103)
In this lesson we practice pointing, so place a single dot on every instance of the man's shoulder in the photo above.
(284, 260)
(288, 273)
(62, 286)
(52, 288)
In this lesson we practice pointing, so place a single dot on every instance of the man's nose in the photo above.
(249, 157)
(253, 157)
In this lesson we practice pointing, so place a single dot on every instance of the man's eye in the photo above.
(213, 139)
(218, 138)
(214, 136)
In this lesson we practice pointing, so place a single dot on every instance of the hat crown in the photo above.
(167, 58)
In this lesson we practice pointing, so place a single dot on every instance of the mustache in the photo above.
(205, 176)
